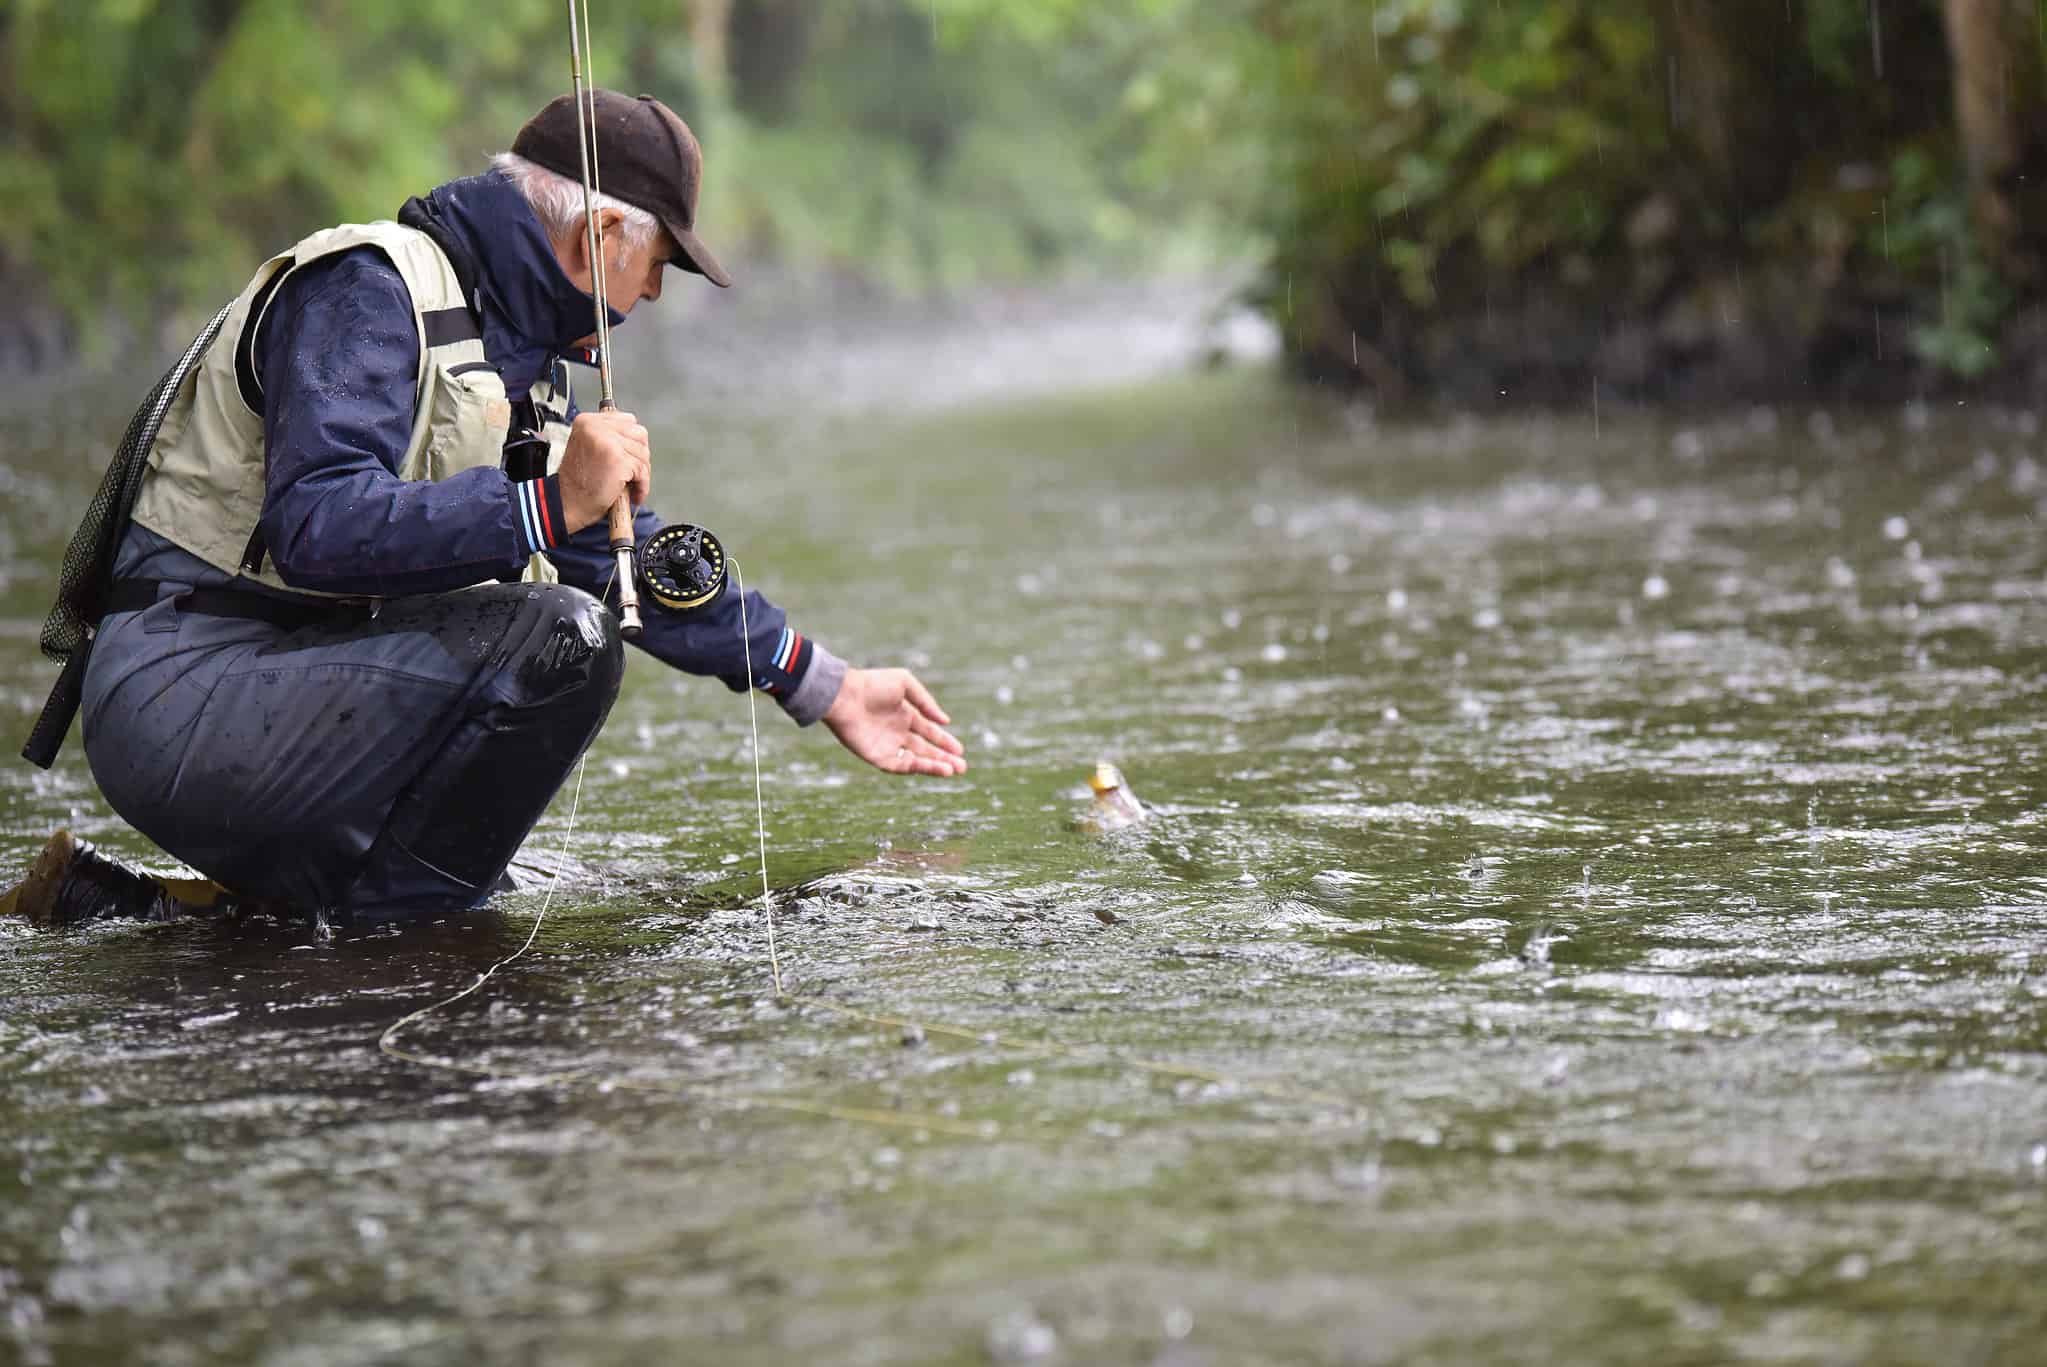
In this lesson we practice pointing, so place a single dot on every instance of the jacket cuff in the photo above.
(537, 507)
(819, 688)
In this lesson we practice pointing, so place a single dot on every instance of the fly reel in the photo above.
(682, 569)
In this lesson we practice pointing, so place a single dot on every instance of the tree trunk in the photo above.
(1994, 52)
(1730, 91)
(710, 32)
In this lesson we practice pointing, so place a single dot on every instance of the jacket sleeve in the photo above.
(796, 671)
(337, 358)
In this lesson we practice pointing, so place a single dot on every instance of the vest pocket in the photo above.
(467, 422)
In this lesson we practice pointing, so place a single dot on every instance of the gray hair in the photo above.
(557, 202)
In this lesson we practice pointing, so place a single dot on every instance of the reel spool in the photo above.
(682, 568)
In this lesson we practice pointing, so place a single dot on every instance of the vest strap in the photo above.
(445, 327)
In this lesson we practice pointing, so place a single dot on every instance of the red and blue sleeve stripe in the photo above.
(791, 658)
(537, 504)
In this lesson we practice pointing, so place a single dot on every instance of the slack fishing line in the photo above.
(1084, 1053)
(683, 569)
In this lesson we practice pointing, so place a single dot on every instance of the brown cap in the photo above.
(646, 156)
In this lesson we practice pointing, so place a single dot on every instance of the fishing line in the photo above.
(1097, 1054)
(760, 821)
(1089, 1053)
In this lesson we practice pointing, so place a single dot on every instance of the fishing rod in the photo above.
(682, 566)
(621, 516)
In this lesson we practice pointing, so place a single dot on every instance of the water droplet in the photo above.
(1021, 1336)
(1655, 587)
(1396, 599)
(1005, 694)
(1896, 528)
(1273, 653)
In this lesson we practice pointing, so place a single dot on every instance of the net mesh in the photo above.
(89, 559)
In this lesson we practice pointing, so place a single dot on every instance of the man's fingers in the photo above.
(936, 735)
(920, 756)
(920, 698)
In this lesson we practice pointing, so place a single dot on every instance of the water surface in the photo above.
(1598, 864)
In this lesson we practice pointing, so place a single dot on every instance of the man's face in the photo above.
(631, 274)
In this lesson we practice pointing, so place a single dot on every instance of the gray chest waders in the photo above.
(88, 571)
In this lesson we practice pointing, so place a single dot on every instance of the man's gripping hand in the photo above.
(607, 454)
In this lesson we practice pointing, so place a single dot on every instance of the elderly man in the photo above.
(356, 637)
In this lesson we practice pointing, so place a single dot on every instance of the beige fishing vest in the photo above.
(204, 489)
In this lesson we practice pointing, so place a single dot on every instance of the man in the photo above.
(298, 687)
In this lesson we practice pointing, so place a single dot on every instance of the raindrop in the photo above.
(1896, 528)
(1021, 1336)
(1273, 653)
(1396, 600)
(1655, 587)
(1005, 694)
(1389, 714)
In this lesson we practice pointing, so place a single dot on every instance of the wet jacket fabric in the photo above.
(336, 358)
(206, 482)
(390, 765)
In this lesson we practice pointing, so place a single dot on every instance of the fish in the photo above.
(1115, 807)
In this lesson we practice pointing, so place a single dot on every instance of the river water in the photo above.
(1593, 912)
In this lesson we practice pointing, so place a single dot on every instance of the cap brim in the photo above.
(692, 255)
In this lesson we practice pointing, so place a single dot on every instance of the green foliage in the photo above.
(1396, 160)
(151, 153)
(1496, 135)
(1928, 233)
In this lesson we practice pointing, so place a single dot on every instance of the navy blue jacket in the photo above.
(337, 358)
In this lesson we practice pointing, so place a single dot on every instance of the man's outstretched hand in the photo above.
(890, 720)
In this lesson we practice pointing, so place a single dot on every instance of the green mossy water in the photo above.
(1635, 823)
